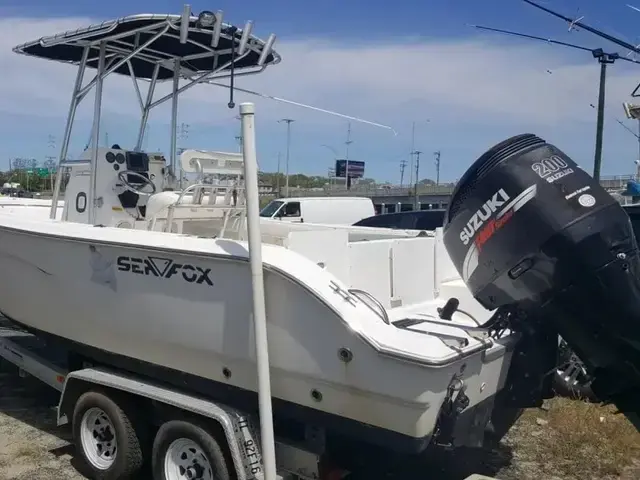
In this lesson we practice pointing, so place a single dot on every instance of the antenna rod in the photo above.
(547, 40)
(310, 107)
(599, 33)
(532, 37)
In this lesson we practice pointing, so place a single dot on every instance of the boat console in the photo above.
(135, 190)
(124, 181)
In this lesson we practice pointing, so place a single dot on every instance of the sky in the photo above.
(400, 63)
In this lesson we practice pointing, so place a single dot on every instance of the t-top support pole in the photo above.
(247, 115)
(97, 110)
(174, 119)
(64, 148)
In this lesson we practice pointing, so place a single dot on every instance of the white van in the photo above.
(326, 210)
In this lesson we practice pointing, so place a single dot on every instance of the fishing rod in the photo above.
(303, 105)
(603, 58)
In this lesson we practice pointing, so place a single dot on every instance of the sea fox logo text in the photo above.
(482, 215)
(165, 268)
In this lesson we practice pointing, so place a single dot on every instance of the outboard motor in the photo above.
(538, 239)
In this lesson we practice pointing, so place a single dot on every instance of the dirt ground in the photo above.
(568, 440)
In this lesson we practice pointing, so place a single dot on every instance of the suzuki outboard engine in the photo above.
(538, 239)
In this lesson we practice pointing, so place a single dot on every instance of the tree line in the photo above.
(35, 183)
(28, 181)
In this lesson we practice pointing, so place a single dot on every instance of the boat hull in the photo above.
(192, 315)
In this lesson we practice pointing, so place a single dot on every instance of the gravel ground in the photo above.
(33, 448)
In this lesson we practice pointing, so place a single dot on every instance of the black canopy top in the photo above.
(124, 35)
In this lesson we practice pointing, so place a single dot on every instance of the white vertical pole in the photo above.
(97, 108)
(174, 125)
(247, 114)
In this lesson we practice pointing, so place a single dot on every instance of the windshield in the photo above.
(271, 208)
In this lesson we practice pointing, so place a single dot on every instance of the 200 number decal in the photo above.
(548, 166)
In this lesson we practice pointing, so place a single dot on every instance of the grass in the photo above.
(574, 439)
(28, 451)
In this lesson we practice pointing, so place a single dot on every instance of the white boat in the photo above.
(135, 277)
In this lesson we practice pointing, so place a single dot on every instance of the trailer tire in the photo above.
(181, 445)
(96, 414)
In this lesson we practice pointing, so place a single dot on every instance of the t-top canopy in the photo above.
(203, 49)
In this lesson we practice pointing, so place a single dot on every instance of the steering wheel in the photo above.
(136, 188)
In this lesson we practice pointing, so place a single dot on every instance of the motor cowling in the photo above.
(529, 230)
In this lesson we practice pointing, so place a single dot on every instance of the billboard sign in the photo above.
(356, 168)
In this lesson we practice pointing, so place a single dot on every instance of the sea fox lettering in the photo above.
(482, 215)
(165, 268)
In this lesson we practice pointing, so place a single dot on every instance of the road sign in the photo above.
(356, 168)
(43, 172)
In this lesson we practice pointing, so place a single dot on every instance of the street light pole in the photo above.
(286, 162)
(604, 59)
(417, 154)
(278, 176)
(346, 166)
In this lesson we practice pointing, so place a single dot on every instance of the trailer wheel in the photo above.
(105, 438)
(182, 450)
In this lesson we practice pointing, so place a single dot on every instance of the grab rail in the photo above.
(192, 188)
(382, 313)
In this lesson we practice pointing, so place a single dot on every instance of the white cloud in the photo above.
(448, 80)
(479, 84)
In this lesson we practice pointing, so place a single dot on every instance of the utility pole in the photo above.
(413, 147)
(346, 165)
(417, 154)
(288, 121)
(403, 164)
(437, 155)
(50, 160)
(278, 175)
